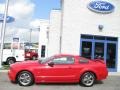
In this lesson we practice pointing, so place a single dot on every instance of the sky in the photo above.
(43, 7)
(26, 13)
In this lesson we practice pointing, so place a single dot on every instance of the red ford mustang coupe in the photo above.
(58, 69)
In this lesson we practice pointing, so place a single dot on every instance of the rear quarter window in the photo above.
(84, 61)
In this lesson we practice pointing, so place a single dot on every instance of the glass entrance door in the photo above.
(99, 50)
(100, 47)
(111, 55)
(86, 49)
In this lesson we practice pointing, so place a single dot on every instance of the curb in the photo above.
(114, 74)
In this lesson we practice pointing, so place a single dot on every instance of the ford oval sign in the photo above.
(101, 7)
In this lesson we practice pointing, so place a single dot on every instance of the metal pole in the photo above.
(30, 39)
(3, 32)
(61, 27)
(38, 42)
(47, 41)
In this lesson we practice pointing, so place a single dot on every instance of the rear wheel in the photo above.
(34, 58)
(10, 61)
(25, 78)
(87, 79)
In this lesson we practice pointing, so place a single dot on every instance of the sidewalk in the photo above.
(3, 71)
(110, 73)
(114, 73)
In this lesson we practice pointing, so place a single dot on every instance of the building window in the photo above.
(99, 37)
(112, 39)
(86, 36)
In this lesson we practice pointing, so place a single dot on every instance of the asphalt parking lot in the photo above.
(111, 83)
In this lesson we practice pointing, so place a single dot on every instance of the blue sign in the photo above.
(9, 19)
(101, 7)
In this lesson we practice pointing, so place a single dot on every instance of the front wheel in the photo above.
(25, 78)
(87, 79)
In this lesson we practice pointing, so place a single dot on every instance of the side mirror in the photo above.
(51, 64)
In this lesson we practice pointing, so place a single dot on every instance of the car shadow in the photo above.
(67, 84)
(98, 82)
(56, 84)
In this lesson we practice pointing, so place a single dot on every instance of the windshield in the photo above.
(42, 61)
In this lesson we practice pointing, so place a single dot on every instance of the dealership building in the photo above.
(89, 28)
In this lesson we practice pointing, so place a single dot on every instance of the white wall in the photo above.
(54, 32)
(44, 26)
(78, 19)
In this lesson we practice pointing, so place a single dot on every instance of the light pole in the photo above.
(47, 40)
(30, 39)
(3, 32)
(31, 35)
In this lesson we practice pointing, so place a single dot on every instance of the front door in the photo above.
(60, 71)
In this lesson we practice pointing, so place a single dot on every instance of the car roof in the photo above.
(62, 55)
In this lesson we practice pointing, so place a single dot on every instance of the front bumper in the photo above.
(12, 76)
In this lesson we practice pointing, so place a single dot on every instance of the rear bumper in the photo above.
(103, 75)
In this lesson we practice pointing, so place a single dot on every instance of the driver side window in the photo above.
(64, 60)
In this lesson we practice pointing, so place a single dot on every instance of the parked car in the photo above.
(32, 55)
(58, 69)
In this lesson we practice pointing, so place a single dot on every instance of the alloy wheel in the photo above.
(25, 78)
(88, 79)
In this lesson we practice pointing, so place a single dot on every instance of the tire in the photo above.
(10, 61)
(25, 78)
(87, 79)
(34, 58)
